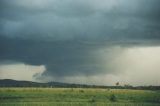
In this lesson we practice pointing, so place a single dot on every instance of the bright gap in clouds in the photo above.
(138, 66)
(20, 71)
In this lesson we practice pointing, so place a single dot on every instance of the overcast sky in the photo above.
(81, 41)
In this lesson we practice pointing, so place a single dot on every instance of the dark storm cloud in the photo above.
(61, 58)
(65, 35)
(105, 19)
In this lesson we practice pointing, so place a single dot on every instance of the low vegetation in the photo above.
(77, 97)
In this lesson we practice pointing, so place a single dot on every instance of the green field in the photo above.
(77, 97)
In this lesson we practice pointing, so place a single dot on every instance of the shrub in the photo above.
(82, 91)
(92, 100)
(112, 98)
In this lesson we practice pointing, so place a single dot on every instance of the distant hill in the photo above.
(15, 83)
(9, 81)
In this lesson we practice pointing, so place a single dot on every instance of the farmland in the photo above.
(77, 97)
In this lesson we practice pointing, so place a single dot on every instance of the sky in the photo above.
(81, 41)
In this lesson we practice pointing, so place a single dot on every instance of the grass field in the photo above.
(77, 97)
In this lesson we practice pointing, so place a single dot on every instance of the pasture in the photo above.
(77, 97)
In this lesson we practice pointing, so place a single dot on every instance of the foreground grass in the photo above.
(77, 104)
(77, 97)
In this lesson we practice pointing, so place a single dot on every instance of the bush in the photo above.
(112, 98)
(92, 100)
(82, 91)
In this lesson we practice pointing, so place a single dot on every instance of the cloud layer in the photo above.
(92, 19)
(77, 38)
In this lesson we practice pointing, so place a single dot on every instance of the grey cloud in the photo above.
(55, 19)
(61, 58)
(49, 11)
(66, 36)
